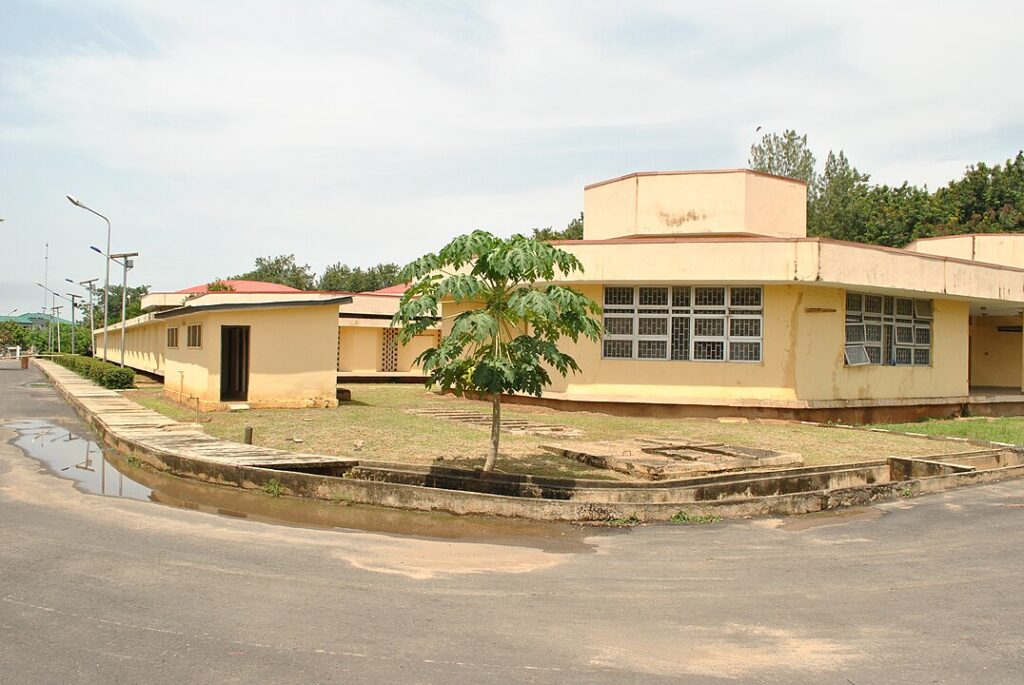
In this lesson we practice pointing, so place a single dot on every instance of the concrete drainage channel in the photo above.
(780, 491)
(459, 491)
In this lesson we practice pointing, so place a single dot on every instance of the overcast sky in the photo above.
(215, 132)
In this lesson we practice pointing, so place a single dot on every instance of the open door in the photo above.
(234, 363)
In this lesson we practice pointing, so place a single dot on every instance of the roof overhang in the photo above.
(237, 306)
(815, 261)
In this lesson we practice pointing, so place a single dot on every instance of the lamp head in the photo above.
(73, 200)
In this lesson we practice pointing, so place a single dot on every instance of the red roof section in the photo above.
(390, 290)
(243, 287)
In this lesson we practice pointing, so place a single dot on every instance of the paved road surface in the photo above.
(104, 590)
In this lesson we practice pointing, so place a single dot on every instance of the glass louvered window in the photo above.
(894, 331)
(699, 323)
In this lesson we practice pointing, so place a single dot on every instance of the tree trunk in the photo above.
(492, 456)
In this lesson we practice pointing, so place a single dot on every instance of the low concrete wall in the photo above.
(908, 469)
(707, 489)
(786, 492)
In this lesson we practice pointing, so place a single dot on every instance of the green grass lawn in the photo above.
(376, 419)
(1006, 429)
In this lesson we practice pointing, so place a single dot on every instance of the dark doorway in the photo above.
(234, 363)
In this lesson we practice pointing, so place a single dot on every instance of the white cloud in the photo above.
(365, 131)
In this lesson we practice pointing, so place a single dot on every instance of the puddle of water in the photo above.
(74, 457)
(105, 472)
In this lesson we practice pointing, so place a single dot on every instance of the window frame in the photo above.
(188, 336)
(681, 305)
(176, 330)
(902, 321)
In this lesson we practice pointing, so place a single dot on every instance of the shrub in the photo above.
(100, 372)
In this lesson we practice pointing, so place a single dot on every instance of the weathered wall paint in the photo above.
(995, 356)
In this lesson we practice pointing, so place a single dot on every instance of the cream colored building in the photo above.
(716, 301)
(368, 347)
(264, 345)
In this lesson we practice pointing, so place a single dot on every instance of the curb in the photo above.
(424, 498)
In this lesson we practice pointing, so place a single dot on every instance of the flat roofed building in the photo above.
(265, 344)
(715, 301)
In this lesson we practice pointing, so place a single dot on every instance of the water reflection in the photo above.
(77, 458)
(105, 472)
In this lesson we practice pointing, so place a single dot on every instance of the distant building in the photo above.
(34, 321)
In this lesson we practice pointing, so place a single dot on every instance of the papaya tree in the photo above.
(509, 318)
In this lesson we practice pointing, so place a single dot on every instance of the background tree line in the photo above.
(285, 270)
(842, 203)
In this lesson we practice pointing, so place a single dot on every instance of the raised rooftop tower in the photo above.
(728, 201)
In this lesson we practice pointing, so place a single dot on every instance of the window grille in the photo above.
(172, 336)
(654, 297)
(653, 326)
(700, 323)
(745, 351)
(707, 350)
(195, 335)
(618, 349)
(652, 349)
(744, 297)
(881, 329)
(709, 297)
(680, 338)
(618, 325)
(614, 296)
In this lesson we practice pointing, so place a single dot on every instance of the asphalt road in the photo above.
(105, 590)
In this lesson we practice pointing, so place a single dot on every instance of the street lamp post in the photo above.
(106, 283)
(126, 264)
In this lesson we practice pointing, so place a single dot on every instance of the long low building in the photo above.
(715, 301)
(263, 344)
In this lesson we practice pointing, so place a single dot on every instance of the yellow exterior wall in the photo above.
(736, 201)
(996, 357)
(802, 359)
(188, 369)
(993, 248)
(822, 375)
(956, 246)
(1000, 249)
(359, 348)
(292, 354)
(407, 353)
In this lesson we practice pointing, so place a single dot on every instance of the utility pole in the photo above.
(92, 323)
(57, 309)
(92, 313)
(73, 305)
(46, 285)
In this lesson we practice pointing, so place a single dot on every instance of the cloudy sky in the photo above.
(215, 132)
